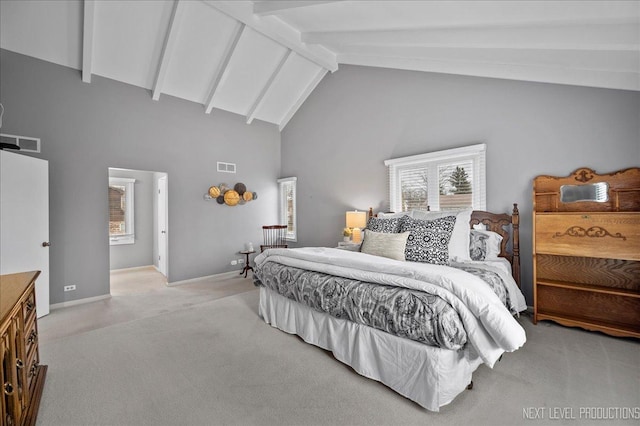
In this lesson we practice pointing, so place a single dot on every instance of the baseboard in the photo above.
(133, 268)
(222, 276)
(79, 302)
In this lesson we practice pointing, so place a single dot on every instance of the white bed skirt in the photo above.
(430, 376)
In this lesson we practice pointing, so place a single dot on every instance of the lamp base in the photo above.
(356, 236)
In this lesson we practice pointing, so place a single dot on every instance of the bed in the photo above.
(421, 327)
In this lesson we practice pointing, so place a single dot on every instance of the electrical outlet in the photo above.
(234, 262)
(240, 261)
(69, 287)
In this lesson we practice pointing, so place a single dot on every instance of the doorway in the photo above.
(138, 229)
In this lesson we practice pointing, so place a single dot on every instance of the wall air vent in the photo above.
(25, 143)
(226, 167)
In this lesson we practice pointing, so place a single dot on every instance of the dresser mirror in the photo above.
(596, 192)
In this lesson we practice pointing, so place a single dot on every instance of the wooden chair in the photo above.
(274, 237)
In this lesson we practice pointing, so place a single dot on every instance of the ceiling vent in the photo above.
(25, 143)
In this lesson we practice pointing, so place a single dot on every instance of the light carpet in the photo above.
(219, 363)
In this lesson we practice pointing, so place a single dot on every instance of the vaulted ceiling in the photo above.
(262, 59)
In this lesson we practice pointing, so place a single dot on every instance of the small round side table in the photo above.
(247, 267)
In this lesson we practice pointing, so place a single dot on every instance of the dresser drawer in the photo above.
(589, 306)
(601, 235)
(32, 372)
(30, 337)
(29, 307)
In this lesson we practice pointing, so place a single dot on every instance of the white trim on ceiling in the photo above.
(226, 57)
(267, 87)
(604, 34)
(87, 39)
(277, 30)
(274, 7)
(509, 71)
(303, 97)
(167, 48)
(583, 43)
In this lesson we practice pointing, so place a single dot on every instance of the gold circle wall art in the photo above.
(231, 196)
(214, 191)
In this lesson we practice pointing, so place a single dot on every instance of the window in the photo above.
(121, 211)
(287, 198)
(442, 180)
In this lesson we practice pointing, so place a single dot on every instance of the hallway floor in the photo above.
(137, 294)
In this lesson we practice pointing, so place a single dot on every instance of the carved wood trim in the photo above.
(592, 232)
(624, 191)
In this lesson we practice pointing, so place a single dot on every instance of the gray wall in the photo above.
(86, 128)
(358, 117)
(141, 252)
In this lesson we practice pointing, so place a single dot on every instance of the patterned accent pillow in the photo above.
(389, 226)
(459, 243)
(484, 245)
(428, 241)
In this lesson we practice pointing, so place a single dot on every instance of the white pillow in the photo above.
(459, 242)
(484, 245)
(385, 244)
(395, 215)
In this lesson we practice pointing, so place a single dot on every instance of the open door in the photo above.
(162, 225)
(24, 220)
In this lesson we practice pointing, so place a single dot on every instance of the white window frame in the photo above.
(129, 217)
(282, 203)
(475, 153)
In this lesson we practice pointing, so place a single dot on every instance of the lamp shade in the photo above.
(356, 219)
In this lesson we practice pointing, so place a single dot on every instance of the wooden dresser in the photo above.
(586, 254)
(21, 376)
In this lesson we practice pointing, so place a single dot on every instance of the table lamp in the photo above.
(356, 221)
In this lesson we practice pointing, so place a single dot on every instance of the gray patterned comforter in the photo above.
(404, 312)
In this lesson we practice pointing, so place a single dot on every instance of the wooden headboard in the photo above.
(507, 225)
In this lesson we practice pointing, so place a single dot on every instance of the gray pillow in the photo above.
(385, 244)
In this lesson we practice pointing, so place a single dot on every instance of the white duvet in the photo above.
(491, 329)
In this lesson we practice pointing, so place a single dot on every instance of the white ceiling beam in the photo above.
(267, 87)
(87, 40)
(303, 97)
(226, 57)
(167, 48)
(616, 34)
(611, 60)
(273, 7)
(624, 80)
(277, 30)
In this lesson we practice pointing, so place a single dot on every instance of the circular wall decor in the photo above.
(223, 194)
(214, 191)
(240, 188)
(231, 197)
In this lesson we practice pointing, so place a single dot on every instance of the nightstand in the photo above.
(348, 245)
